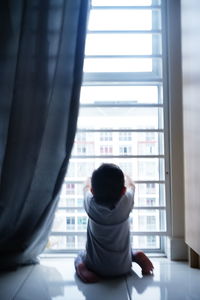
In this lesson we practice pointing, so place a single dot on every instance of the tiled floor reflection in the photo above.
(55, 279)
(72, 288)
(171, 281)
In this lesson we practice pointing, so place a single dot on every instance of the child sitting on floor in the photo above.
(108, 203)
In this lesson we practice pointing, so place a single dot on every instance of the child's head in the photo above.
(107, 184)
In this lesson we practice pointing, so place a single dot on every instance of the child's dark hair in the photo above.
(107, 184)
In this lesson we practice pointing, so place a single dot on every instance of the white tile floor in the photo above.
(55, 279)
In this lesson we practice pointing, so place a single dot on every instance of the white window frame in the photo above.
(130, 78)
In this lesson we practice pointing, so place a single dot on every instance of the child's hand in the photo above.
(129, 182)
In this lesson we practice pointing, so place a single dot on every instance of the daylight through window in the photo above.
(122, 120)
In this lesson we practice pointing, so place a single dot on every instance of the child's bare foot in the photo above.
(83, 273)
(144, 262)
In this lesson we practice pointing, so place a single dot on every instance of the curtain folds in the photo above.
(41, 61)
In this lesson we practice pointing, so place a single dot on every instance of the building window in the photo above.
(125, 150)
(70, 202)
(127, 168)
(71, 170)
(81, 149)
(125, 136)
(70, 188)
(106, 136)
(70, 223)
(146, 148)
(81, 241)
(150, 201)
(81, 137)
(151, 241)
(150, 136)
(151, 222)
(70, 242)
(106, 150)
(151, 188)
(82, 223)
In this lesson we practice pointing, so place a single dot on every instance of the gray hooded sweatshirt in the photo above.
(108, 249)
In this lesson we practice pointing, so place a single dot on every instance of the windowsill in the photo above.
(73, 255)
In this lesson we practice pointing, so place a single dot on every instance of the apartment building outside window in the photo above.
(106, 150)
(125, 136)
(122, 119)
(106, 136)
(70, 223)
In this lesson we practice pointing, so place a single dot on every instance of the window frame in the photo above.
(128, 79)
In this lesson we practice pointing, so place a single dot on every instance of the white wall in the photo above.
(191, 115)
(176, 248)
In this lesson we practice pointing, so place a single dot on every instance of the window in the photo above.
(146, 242)
(125, 150)
(125, 136)
(81, 136)
(70, 242)
(151, 188)
(106, 136)
(126, 167)
(148, 169)
(80, 202)
(84, 168)
(70, 188)
(151, 241)
(147, 148)
(82, 223)
(106, 150)
(122, 116)
(150, 136)
(151, 201)
(81, 149)
(151, 222)
(71, 171)
(70, 223)
(81, 241)
(147, 222)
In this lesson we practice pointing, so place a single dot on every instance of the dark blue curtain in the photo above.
(41, 62)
